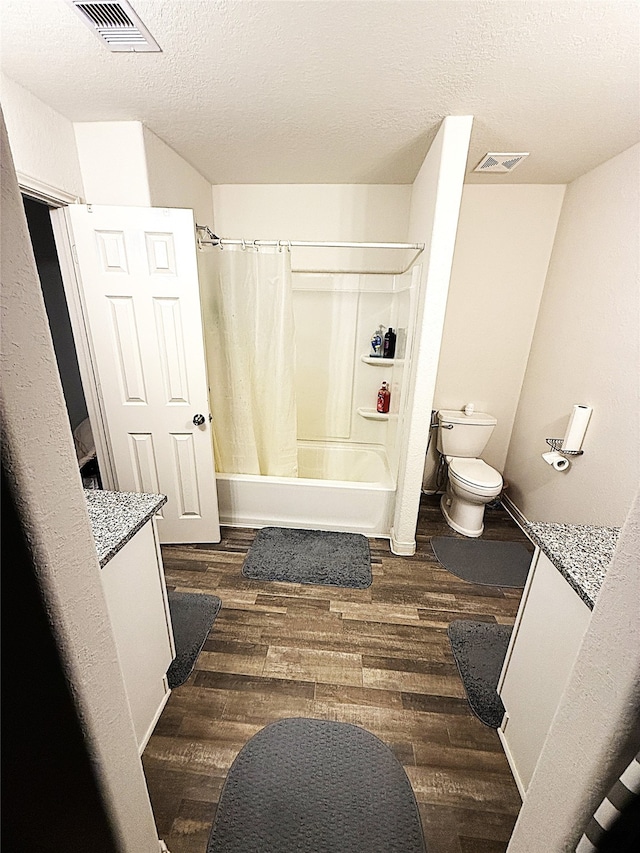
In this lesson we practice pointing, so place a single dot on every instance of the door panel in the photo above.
(139, 288)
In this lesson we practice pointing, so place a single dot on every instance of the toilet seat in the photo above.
(475, 474)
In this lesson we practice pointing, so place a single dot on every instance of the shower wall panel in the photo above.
(403, 312)
(325, 324)
(335, 317)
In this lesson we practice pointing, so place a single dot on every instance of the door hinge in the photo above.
(74, 253)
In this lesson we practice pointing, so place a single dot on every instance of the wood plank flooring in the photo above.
(379, 658)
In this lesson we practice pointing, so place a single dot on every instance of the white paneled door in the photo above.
(138, 282)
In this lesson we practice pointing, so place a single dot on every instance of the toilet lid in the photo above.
(475, 472)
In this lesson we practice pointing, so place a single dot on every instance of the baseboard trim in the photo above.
(402, 549)
(154, 722)
(519, 517)
(512, 766)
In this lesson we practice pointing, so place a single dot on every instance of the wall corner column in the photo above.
(435, 208)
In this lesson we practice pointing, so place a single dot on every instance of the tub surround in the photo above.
(343, 488)
(580, 552)
(116, 517)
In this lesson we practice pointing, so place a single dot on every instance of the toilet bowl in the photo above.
(471, 485)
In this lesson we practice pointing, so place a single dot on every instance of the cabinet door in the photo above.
(133, 582)
(547, 635)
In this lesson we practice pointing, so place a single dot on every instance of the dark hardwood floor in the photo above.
(379, 658)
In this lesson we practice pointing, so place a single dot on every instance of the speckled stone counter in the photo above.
(116, 517)
(580, 552)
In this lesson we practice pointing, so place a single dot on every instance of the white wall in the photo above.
(113, 162)
(39, 455)
(435, 208)
(42, 140)
(586, 349)
(175, 183)
(504, 243)
(124, 163)
(345, 212)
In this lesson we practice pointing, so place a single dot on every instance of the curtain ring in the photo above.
(244, 245)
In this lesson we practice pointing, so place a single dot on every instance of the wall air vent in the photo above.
(500, 162)
(116, 25)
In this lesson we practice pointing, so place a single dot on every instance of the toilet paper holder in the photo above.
(556, 444)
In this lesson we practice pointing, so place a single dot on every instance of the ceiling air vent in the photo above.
(116, 25)
(500, 162)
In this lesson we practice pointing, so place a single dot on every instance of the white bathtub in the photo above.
(340, 487)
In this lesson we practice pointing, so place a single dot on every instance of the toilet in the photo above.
(471, 483)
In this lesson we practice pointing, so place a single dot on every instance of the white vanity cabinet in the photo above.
(551, 622)
(134, 586)
(124, 530)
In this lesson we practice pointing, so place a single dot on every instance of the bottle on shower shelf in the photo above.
(376, 342)
(389, 344)
(384, 398)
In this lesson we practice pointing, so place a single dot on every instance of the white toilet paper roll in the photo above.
(577, 427)
(556, 460)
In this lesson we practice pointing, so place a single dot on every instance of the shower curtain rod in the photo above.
(224, 241)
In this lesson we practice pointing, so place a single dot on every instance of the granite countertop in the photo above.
(117, 516)
(580, 552)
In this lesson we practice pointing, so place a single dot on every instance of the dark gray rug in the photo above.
(314, 786)
(479, 649)
(192, 616)
(309, 556)
(483, 561)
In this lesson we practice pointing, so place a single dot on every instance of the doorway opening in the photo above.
(47, 263)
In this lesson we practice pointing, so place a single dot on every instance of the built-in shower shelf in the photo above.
(380, 362)
(373, 415)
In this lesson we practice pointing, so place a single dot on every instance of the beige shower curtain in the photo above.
(249, 334)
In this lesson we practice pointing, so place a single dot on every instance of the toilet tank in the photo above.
(460, 435)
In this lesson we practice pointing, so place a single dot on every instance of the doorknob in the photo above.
(198, 420)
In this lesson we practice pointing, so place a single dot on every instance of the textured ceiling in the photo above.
(347, 92)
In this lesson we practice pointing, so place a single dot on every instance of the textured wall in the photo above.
(435, 208)
(343, 212)
(503, 247)
(42, 141)
(586, 349)
(113, 162)
(39, 458)
(173, 182)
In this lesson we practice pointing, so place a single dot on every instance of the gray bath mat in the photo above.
(316, 785)
(192, 616)
(309, 556)
(483, 561)
(479, 649)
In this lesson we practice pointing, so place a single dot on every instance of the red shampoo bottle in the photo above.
(384, 397)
